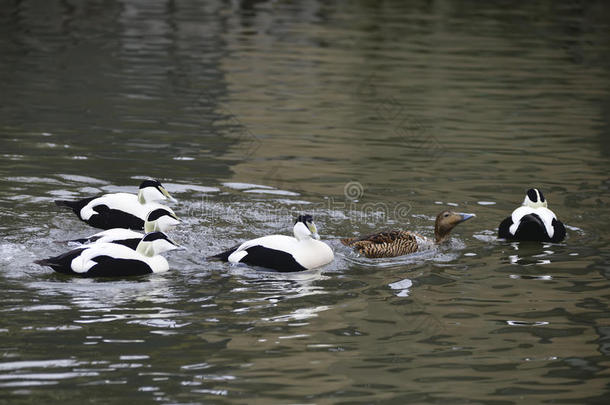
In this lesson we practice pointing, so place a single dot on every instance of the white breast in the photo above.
(312, 253)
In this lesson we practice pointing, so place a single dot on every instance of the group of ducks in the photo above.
(122, 251)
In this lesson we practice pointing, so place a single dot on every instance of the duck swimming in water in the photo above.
(113, 260)
(120, 210)
(157, 220)
(532, 221)
(397, 242)
(283, 253)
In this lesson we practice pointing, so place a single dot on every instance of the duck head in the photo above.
(153, 191)
(534, 199)
(446, 221)
(305, 228)
(160, 220)
(154, 243)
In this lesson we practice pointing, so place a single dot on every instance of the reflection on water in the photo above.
(356, 314)
(369, 116)
(402, 286)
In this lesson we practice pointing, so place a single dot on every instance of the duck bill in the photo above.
(166, 194)
(177, 246)
(465, 217)
(314, 231)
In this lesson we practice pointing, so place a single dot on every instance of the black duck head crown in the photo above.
(151, 183)
(304, 219)
(153, 236)
(158, 213)
(534, 198)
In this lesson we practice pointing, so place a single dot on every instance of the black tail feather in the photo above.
(75, 206)
(532, 228)
(79, 241)
(42, 262)
(224, 256)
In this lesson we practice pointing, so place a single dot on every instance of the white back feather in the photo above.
(124, 202)
(110, 235)
(545, 214)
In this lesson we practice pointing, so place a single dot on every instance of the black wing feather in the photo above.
(108, 218)
(111, 267)
(271, 259)
(503, 229)
(560, 231)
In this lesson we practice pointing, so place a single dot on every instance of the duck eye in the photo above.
(446, 215)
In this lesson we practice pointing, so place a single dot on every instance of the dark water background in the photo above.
(368, 115)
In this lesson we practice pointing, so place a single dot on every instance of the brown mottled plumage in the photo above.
(397, 243)
(384, 244)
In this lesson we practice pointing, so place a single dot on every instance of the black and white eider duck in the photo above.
(120, 210)
(283, 253)
(532, 221)
(397, 242)
(157, 220)
(114, 260)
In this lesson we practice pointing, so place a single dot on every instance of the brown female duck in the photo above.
(397, 242)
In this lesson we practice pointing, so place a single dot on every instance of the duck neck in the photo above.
(440, 239)
(150, 227)
(146, 249)
(308, 240)
(440, 235)
(301, 232)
